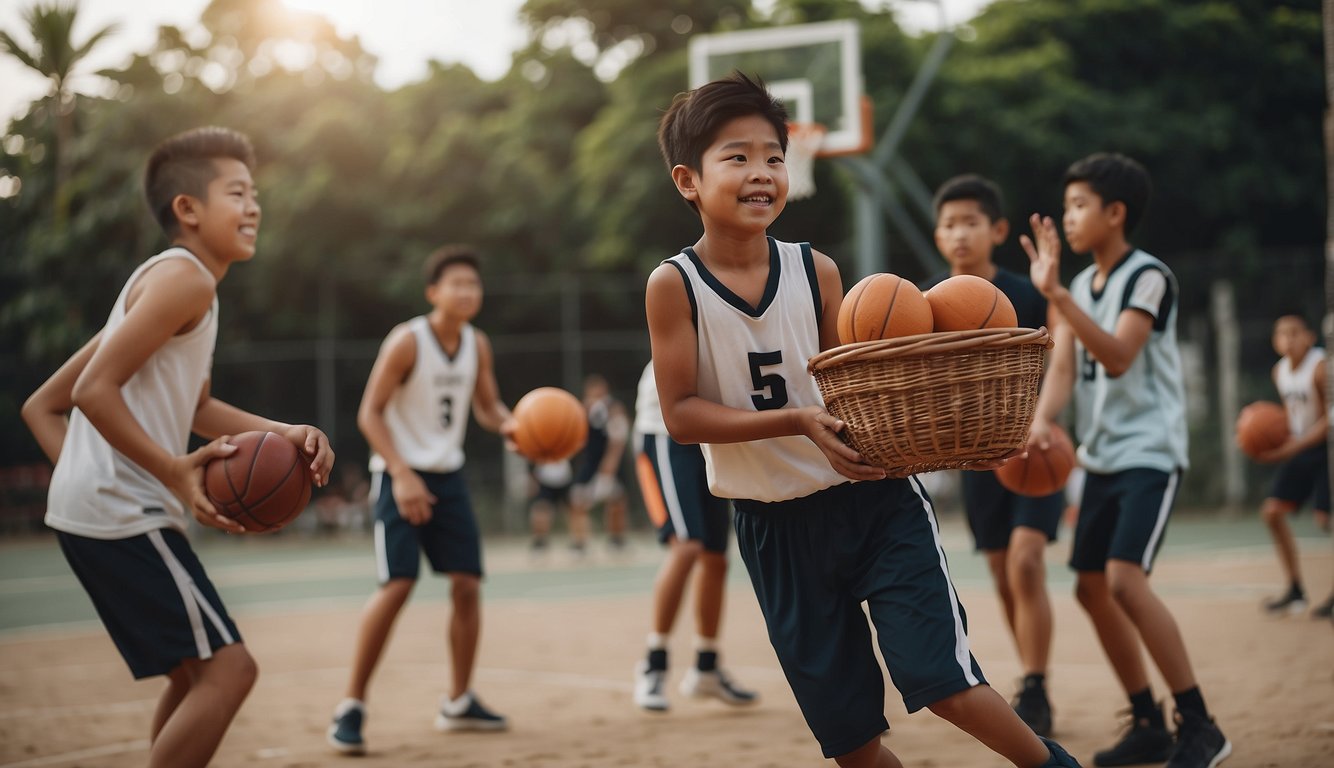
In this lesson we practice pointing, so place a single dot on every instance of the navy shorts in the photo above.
(814, 560)
(450, 539)
(553, 494)
(1123, 516)
(676, 493)
(153, 597)
(1304, 476)
(994, 511)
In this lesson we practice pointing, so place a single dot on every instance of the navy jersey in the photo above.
(1029, 305)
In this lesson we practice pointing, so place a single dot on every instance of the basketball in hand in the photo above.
(967, 303)
(263, 485)
(1261, 426)
(1043, 472)
(551, 425)
(882, 306)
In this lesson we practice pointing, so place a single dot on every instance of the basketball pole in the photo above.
(1328, 329)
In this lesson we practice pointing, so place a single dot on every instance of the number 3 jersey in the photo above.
(427, 415)
(754, 359)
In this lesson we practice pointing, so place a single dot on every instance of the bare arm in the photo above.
(397, 356)
(215, 418)
(1057, 384)
(46, 411)
(487, 407)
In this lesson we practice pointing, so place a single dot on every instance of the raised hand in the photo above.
(1044, 255)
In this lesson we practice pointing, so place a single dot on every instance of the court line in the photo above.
(138, 745)
(78, 709)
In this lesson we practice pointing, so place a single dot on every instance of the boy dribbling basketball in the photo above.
(733, 320)
(116, 421)
(430, 372)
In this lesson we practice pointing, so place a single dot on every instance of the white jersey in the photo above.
(95, 490)
(1137, 419)
(1297, 388)
(648, 411)
(427, 415)
(754, 358)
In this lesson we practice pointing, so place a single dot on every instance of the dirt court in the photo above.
(560, 638)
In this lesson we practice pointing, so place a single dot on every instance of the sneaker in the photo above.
(1291, 603)
(1325, 610)
(467, 714)
(715, 684)
(1199, 743)
(345, 732)
(1031, 704)
(1142, 743)
(650, 685)
(1059, 757)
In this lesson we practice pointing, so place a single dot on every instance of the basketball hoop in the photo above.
(803, 143)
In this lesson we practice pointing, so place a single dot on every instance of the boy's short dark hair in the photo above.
(1116, 179)
(447, 256)
(1295, 314)
(183, 165)
(695, 117)
(970, 186)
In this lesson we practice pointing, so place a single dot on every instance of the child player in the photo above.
(116, 420)
(1011, 530)
(1116, 349)
(733, 320)
(597, 480)
(693, 523)
(430, 372)
(1303, 460)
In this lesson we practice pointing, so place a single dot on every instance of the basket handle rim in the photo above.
(929, 343)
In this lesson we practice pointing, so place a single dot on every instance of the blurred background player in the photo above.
(1303, 460)
(598, 480)
(430, 372)
(1011, 530)
(694, 525)
(552, 482)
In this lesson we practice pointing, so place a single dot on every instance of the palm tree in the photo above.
(54, 56)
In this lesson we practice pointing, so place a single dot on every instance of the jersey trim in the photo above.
(1097, 294)
(726, 294)
(690, 291)
(1164, 307)
(808, 261)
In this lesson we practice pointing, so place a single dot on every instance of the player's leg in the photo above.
(1275, 513)
(178, 684)
(540, 514)
(465, 627)
(617, 512)
(217, 688)
(1036, 522)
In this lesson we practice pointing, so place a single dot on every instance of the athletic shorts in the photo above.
(1123, 516)
(994, 511)
(450, 539)
(814, 560)
(1303, 477)
(153, 597)
(676, 493)
(553, 494)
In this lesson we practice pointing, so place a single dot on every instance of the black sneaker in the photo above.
(344, 733)
(1142, 743)
(1291, 603)
(467, 714)
(1199, 743)
(1031, 704)
(1325, 610)
(1059, 757)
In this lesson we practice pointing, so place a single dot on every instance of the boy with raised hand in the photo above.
(1116, 350)
(430, 373)
(733, 320)
(1011, 530)
(116, 421)
(1303, 472)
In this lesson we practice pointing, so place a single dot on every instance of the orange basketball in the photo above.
(1043, 472)
(967, 303)
(552, 425)
(882, 306)
(1261, 426)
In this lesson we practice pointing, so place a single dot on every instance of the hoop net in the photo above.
(803, 143)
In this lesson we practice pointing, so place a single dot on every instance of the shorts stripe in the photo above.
(962, 654)
(381, 554)
(212, 615)
(648, 484)
(663, 444)
(1164, 509)
(187, 589)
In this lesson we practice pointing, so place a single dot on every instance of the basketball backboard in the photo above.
(813, 68)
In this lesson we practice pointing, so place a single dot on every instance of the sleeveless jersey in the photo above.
(754, 358)
(95, 490)
(1137, 419)
(1297, 388)
(648, 411)
(427, 415)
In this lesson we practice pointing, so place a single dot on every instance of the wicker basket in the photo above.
(935, 400)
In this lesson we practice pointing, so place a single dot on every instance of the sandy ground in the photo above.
(560, 668)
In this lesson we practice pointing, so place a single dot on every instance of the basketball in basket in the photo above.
(936, 400)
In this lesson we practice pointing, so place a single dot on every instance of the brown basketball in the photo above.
(1261, 426)
(263, 485)
(551, 426)
(1043, 472)
(882, 306)
(967, 303)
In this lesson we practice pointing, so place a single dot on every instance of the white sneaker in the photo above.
(650, 685)
(715, 684)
